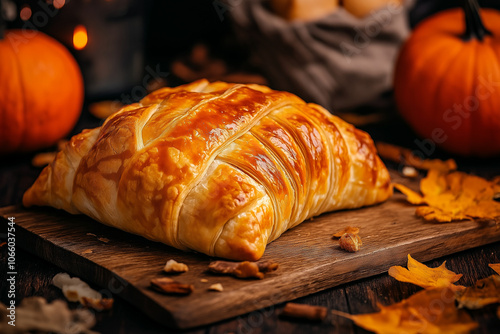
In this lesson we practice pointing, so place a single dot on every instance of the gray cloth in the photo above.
(338, 61)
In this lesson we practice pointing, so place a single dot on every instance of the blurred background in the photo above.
(125, 38)
(340, 54)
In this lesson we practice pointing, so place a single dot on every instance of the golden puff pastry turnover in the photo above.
(218, 168)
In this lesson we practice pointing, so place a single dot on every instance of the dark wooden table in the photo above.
(34, 274)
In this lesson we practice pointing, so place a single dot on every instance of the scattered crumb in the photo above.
(92, 234)
(409, 172)
(105, 240)
(203, 280)
(216, 287)
(350, 242)
(87, 251)
(76, 290)
(173, 266)
(102, 304)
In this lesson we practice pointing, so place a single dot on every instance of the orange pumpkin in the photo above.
(41, 91)
(447, 81)
(363, 8)
(303, 10)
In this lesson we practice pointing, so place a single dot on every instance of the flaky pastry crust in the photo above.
(219, 168)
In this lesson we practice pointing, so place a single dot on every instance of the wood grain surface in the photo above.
(310, 261)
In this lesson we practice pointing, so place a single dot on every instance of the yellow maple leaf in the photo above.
(425, 277)
(428, 311)
(411, 196)
(448, 196)
(495, 267)
(486, 291)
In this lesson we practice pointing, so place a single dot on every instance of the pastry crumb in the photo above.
(173, 266)
(409, 172)
(216, 287)
(350, 242)
(76, 290)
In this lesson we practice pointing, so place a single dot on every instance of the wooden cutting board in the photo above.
(310, 261)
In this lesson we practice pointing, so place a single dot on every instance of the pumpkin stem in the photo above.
(473, 22)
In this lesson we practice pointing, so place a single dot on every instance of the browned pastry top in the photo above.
(219, 168)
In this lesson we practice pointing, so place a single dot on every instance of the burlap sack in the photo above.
(339, 61)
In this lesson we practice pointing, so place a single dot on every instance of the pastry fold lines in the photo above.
(218, 168)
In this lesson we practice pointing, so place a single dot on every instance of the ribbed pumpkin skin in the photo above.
(41, 91)
(448, 89)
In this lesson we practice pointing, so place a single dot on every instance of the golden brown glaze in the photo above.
(218, 168)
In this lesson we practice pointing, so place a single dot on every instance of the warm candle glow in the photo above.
(80, 37)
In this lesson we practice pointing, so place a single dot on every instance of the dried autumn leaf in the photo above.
(425, 277)
(486, 291)
(169, 286)
(348, 229)
(411, 196)
(35, 314)
(495, 267)
(403, 155)
(243, 269)
(454, 196)
(428, 311)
